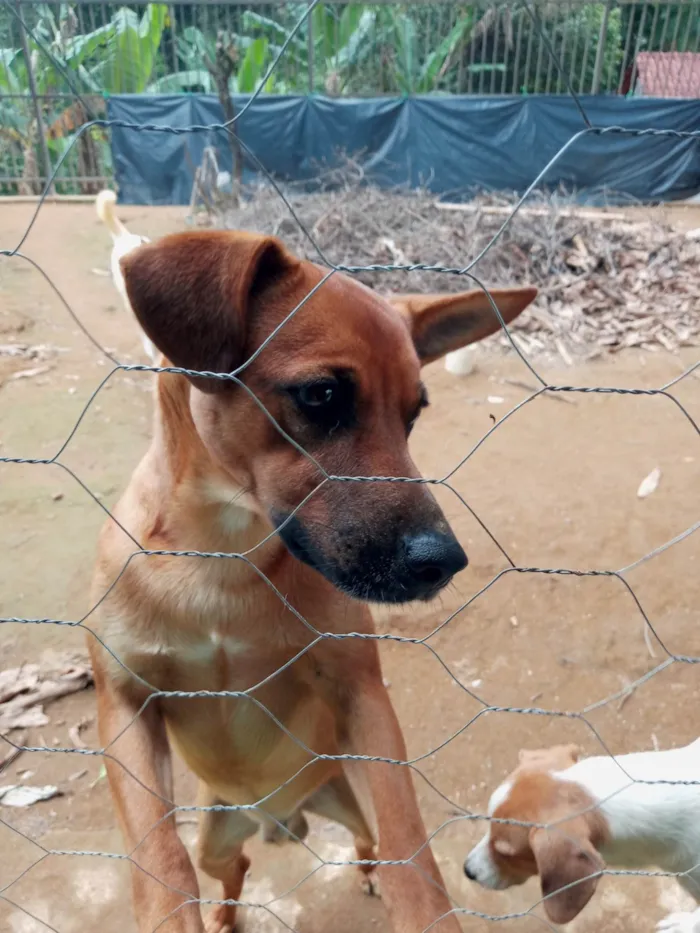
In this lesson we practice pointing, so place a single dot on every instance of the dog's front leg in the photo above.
(138, 766)
(414, 892)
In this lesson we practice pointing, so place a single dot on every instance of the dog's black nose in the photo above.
(468, 872)
(432, 559)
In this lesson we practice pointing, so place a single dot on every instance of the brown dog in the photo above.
(342, 379)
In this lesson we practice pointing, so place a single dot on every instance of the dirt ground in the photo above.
(556, 485)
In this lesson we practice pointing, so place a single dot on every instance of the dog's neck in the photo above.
(646, 823)
(199, 506)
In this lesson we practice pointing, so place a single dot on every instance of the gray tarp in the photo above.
(452, 145)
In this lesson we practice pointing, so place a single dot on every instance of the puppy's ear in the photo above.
(555, 758)
(192, 293)
(568, 866)
(443, 323)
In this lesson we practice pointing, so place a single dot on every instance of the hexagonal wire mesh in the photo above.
(619, 575)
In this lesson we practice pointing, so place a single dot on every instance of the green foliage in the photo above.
(117, 57)
(252, 67)
(574, 36)
(663, 27)
(341, 49)
(130, 49)
(192, 81)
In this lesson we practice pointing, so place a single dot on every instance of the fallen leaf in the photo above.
(18, 795)
(649, 483)
(23, 719)
(13, 349)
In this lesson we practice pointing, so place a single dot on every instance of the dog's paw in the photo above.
(276, 833)
(221, 919)
(370, 884)
(684, 922)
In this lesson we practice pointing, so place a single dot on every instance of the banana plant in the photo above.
(195, 49)
(117, 57)
(414, 73)
(344, 42)
(359, 49)
(129, 49)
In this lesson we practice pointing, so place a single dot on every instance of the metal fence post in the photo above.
(600, 51)
(43, 145)
(310, 50)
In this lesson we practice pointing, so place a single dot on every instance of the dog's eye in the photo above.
(316, 394)
(422, 403)
(329, 404)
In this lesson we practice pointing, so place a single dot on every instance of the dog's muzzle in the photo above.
(430, 561)
(480, 867)
(417, 566)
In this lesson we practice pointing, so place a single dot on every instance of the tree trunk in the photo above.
(30, 183)
(221, 70)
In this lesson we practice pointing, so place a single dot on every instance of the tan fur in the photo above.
(214, 473)
(556, 758)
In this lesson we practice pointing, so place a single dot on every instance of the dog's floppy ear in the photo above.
(443, 323)
(573, 751)
(567, 865)
(551, 759)
(191, 293)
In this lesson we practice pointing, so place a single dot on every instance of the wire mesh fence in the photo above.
(317, 635)
(103, 49)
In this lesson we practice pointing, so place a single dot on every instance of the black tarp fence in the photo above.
(451, 145)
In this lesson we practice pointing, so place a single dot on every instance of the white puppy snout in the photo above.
(480, 867)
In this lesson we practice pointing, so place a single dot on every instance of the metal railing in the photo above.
(100, 48)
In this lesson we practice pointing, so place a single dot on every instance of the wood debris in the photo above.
(25, 351)
(74, 732)
(31, 373)
(12, 755)
(24, 690)
(606, 284)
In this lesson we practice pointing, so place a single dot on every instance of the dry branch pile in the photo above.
(604, 284)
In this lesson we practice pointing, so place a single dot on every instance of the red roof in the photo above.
(668, 74)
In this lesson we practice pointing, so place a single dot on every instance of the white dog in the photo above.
(123, 243)
(460, 362)
(595, 812)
